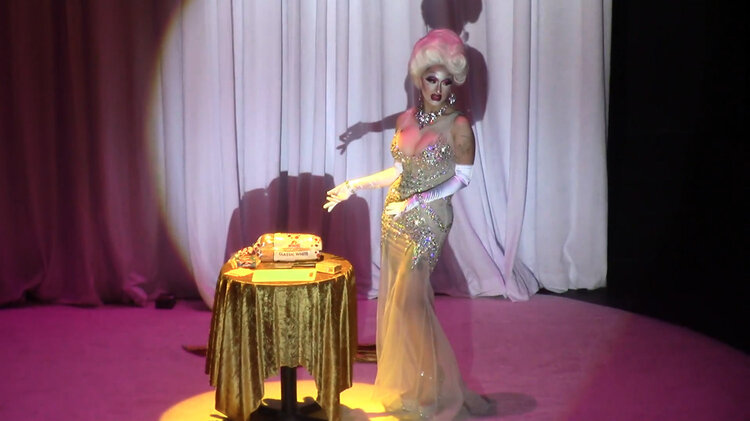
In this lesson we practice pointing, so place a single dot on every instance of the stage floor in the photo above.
(551, 358)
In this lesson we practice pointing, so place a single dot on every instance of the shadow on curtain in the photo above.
(295, 204)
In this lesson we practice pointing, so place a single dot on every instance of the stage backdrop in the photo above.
(144, 142)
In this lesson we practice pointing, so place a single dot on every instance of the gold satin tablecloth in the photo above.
(257, 328)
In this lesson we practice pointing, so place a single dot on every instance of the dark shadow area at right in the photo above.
(677, 165)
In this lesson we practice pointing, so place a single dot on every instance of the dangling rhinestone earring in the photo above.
(451, 99)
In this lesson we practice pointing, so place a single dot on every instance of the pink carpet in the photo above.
(551, 358)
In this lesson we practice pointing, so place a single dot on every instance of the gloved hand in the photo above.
(460, 179)
(337, 195)
(345, 190)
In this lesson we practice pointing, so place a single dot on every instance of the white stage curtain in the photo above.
(252, 100)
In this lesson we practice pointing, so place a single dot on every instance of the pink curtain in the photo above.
(80, 217)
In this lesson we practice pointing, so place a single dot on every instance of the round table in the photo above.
(259, 328)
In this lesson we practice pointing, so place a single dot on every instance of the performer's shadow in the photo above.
(456, 15)
(471, 97)
(505, 404)
(295, 204)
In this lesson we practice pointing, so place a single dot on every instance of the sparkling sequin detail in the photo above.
(427, 225)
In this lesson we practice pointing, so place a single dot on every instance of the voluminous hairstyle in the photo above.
(439, 47)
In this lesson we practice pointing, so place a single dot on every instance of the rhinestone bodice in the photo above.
(427, 225)
(424, 170)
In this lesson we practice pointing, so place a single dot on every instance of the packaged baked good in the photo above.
(288, 247)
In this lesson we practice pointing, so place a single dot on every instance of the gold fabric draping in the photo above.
(258, 328)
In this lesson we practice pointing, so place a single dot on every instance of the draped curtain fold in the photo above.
(148, 141)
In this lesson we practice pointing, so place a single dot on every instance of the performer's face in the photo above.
(436, 87)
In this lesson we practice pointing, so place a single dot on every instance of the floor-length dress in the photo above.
(417, 369)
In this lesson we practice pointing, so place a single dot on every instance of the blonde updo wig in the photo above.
(439, 47)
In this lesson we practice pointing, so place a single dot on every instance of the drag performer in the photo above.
(433, 151)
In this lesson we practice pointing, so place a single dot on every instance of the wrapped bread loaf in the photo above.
(288, 247)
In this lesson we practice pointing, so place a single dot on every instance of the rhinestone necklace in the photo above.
(425, 119)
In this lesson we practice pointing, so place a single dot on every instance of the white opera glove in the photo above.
(346, 189)
(460, 179)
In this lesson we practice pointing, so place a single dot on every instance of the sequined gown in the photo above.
(417, 369)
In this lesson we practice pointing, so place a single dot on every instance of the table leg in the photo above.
(289, 390)
(289, 409)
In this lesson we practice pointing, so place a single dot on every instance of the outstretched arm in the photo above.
(373, 181)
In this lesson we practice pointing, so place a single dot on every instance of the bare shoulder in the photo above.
(404, 119)
(463, 140)
(462, 127)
